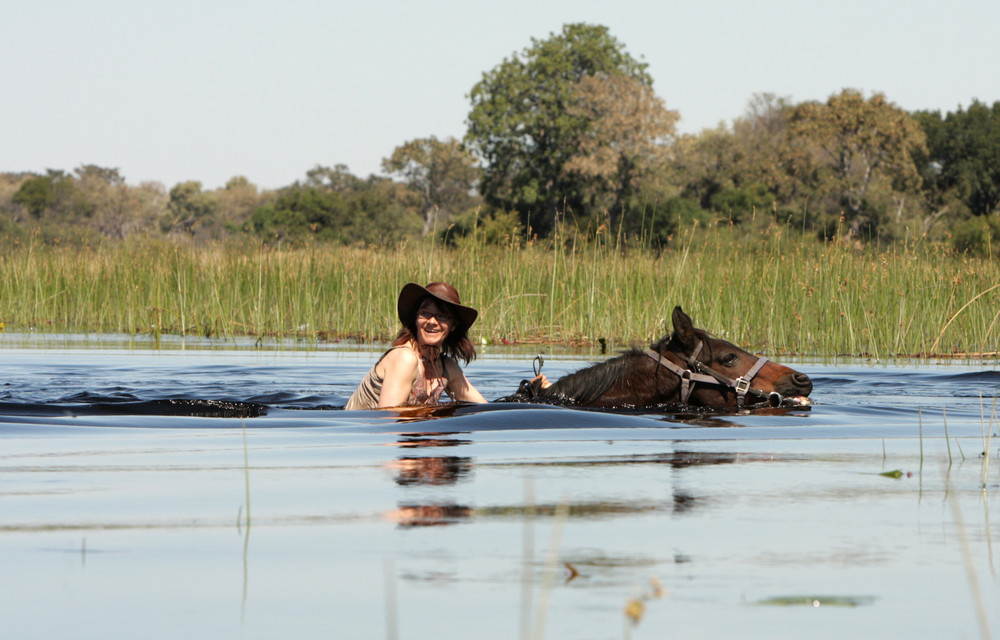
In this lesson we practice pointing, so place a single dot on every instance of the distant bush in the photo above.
(657, 224)
(740, 203)
(476, 227)
(979, 235)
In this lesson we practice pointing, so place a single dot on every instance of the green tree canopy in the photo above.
(300, 211)
(523, 130)
(629, 135)
(35, 195)
(856, 151)
(442, 172)
(108, 175)
(335, 206)
(189, 205)
(963, 156)
(336, 178)
(41, 193)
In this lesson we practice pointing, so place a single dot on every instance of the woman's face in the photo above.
(434, 323)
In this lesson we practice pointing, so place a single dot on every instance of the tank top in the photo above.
(367, 394)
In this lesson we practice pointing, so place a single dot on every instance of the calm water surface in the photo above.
(192, 492)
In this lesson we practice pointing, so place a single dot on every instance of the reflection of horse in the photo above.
(689, 368)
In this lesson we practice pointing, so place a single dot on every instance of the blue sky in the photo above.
(206, 90)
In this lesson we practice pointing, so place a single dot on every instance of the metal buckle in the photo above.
(686, 386)
(742, 386)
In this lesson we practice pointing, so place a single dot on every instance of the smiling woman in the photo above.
(422, 363)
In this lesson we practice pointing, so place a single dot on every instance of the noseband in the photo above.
(697, 371)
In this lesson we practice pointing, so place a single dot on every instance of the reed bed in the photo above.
(764, 289)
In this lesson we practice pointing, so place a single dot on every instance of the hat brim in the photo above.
(413, 294)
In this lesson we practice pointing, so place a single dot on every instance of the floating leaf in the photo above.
(571, 572)
(895, 473)
(634, 609)
(656, 588)
(818, 601)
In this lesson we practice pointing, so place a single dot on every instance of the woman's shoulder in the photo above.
(401, 354)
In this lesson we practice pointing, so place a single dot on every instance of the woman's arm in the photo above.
(399, 371)
(459, 387)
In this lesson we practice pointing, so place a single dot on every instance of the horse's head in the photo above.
(731, 373)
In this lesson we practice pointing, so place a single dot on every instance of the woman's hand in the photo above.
(543, 382)
(459, 387)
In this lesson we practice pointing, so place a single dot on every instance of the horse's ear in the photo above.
(684, 329)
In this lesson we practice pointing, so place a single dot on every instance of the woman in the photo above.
(421, 365)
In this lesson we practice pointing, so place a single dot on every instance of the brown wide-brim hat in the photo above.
(413, 295)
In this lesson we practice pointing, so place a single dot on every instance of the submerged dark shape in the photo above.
(193, 407)
(688, 368)
(88, 404)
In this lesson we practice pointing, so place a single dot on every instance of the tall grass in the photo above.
(761, 288)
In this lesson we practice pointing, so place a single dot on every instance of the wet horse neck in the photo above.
(617, 382)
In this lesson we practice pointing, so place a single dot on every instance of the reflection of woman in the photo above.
(432, 470)
(430, 515)
(421, 365)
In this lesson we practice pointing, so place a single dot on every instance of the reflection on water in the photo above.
(229, 486)
(429, 515)
(416, 440)
(432, 470)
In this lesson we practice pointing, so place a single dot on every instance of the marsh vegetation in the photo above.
(762, 288)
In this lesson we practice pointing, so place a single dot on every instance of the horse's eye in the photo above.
(730, 359)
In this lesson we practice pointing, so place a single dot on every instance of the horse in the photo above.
(687, 368)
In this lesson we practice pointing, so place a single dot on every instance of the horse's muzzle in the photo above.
(794, 385)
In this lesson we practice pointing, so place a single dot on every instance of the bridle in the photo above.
(698, 371)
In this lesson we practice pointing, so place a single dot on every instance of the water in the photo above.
(126, 510)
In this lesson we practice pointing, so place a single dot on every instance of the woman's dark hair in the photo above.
(456, 345)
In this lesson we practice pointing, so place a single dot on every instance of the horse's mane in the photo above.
(589, 384)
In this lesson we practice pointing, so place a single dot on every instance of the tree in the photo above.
(963, 156)
(521, 127)
(97, 200)
(442, 172)
(338, 178)
(740, 203)
(109, 176)
(301, 211)
(41, 193)
(102, 201)
(35, 195)
(629, 133)
(237, 201)
(705, 164)
(335, 206)
(95, 187)
(853, 147)
(10, 183)
(751, 166)
(763, 153)
(384, 213)
(189, 205)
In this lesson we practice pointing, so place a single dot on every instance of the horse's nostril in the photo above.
(802, 381)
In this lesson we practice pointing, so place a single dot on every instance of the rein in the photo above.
(697, 371)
